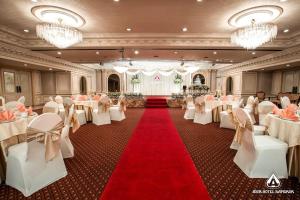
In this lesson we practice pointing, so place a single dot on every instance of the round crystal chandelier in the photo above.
(255, 35)
(59, 25)
(254, 26)
(58, 35)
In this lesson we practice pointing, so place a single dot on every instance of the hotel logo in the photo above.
(273, 182)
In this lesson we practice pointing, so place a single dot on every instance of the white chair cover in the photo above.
(259, 156)
(117, 112)
(22, 100)
(101, 115)
(250, 107)
(67, 148)
(51, 107)
(264, 108)
(12, 105)
(285, 101)
(190, 108)
(27, 168)
(203, 115)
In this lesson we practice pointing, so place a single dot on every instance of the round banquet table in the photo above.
(289, 132)
(11, 133)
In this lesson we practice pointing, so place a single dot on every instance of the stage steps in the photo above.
(155, 102)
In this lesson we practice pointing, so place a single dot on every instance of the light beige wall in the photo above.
(290, 79)
(63, 83)
(48, 83)
(264, 82)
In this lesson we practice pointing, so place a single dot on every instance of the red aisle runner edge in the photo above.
(155, 164)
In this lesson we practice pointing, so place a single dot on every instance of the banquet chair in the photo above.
(259, 156)
(101, 115)
(27, 168)
(226, 120)
(190, 108)
(285, 101)
(61, 109)
(80, 113)
(117, 112)
(67, 148)
(264, 108)
(21, 100)
(51, 107)
(250, 107)
(203, 115)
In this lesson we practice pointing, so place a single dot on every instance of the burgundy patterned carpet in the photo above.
(98, 150)
(209, 148)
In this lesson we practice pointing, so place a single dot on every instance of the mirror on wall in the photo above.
(229, 85)
(113, 83)
(198, 79)
(83, 87)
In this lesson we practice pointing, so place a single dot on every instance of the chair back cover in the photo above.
(12, 105)
(68, 101)
(59, 99)
(244, 121)
(285, 101)
(265, 107)
(22, 100)
(50, 107)
(189, 100)
(230, 97)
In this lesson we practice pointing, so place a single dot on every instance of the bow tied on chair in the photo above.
(51, 139)
(200, 105)
(122, 102)
(104, 102)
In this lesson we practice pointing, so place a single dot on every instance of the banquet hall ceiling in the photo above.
(206, 19)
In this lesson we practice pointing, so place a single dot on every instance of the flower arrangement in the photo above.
(133, 95)
(135, 79)
(113, 95)
(178, 79)
(177, 96)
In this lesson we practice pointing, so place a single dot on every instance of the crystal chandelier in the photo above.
(59, 35)
(255, 35)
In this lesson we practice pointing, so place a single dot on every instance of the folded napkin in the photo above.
(82, 98)
(223, 98)
(21, 107)
(96, 97)
(7, 116)
(210, 98)
(290, 113)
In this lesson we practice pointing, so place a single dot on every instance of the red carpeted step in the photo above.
(155, 164)
(156, 102)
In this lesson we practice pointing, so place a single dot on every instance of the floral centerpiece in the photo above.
(178, 79)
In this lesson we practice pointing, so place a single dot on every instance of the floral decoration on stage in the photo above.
(178, 79)
(135, 79)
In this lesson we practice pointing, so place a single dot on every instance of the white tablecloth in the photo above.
(88, 103)
(285, 130)
(16, 127)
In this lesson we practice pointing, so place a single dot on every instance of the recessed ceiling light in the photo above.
(253, 53)
(116, 0)
(97, 52)
(184, 29)
(59, 53)
(26, 30)
(199, 0)
(215, 53)
(262, 69)
(50, 69)
(217, 60)
(128, 29)
(286, 30)
(25, 65)
(34, 1)
(175, 52)
(231, 61)
(283, 0)
(136, 52)
(288, 65)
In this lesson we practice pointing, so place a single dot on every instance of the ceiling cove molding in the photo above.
(279, 58)
(19, 54)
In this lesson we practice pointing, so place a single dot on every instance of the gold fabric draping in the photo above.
(200, 107)
(122, 104)
(241, 128)
(50, 138)
(293, 160)
(216, 113)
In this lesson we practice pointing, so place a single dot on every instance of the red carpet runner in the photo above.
(155, 164)
(156, 102)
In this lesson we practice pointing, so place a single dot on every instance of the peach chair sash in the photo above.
(122, 103)
(50, 138)
(104, 103)
(200, 104)
(244, 129)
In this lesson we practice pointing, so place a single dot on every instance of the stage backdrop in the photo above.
(156, 84)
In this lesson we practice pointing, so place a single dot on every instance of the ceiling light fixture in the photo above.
(59, 25)
(184, 29)
(59, 53)
(128, 29)
(116, 0)
(26, 30)
(286, 30)
(288, 65)
(175, 52)
(97, 52)
(253, 53)
(50, 69)
(136, 52)
(121, 69)
(255, 35)
(215, 53)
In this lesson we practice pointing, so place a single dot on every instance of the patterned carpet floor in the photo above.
(98, 150)
(208, 146)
